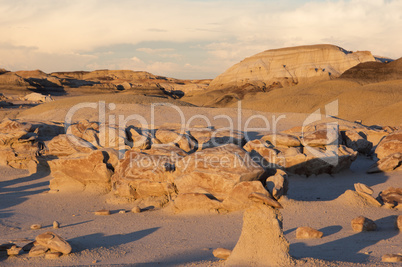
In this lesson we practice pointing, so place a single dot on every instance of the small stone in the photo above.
(36, 226)
(53, 191)
(54, 242)
(122, 211)
(392, 258)
(95, 261)
(261, 198)
(102, 212)
(306, 232)
(136, 209)
(56, 225)
(398, 223)
(361, 223)
(14, 251)
(359, 187)
(37, 250)
(221, 253)
(53, 255)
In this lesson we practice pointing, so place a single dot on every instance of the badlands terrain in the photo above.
(292, 157)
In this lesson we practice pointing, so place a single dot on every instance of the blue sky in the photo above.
(185, 38)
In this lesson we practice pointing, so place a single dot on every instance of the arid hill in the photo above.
(372, 72)
(290, 66)
(111, 80)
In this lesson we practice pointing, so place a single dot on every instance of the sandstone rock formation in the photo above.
(215, 171)
(290, 66)
(392, 196)
(79, 172)
(278, 184)
(306, 232)
(36, 97)
(261, 242)
(18, 144)
(318, 152)
(54, 242)
(361, 223)
(139, 82)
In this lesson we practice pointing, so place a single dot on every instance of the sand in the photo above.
(158, 236)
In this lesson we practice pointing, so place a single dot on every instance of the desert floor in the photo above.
(161, 237)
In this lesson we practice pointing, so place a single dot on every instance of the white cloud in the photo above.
(226, 31)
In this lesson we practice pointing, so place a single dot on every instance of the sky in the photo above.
(186, 39)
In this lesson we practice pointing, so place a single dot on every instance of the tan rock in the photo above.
(215, 171)
(280, 139)
(80, 172)
(370, 199)
(54, 242)
(37, 250)
(267, 200)
(141, 175)
(361, 224)
(278, 184)
(392, 195)
(261, 241)
(238, 198)
(357, 141)
(391, 258)
(56, 225)
(102, 212)
(195, 201)
(14, 251)
(36, 97)
(136, 209)
(53, 255)
(306, 232)
(398, 223)
(388, 163)
(221, 253)
(359, 187)
(389, 145)
(318, 138)
(183, 140)
(36, 226)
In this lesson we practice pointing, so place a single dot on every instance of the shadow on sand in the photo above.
(348, 249)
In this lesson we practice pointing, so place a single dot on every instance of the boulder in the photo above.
(141, 175)
(389, 145)
(182, 140)
(261, 242)
(221, 253)
(216, 171)
(91, 170)
(36, 97)
(361, 224)
(278, 184)
(391, 258)
(281, 139)
(195, 202)
(359, 187)
(238, 198)
(392, 195)
(54, 242)
(306, 232)
(357, 141)
(389, 163)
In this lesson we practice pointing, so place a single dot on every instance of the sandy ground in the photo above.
(159, 237)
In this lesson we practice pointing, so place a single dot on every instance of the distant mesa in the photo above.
(139, 82)
(290, 66)
(374, 72)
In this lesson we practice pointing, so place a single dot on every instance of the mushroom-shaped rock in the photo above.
(261, 198)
